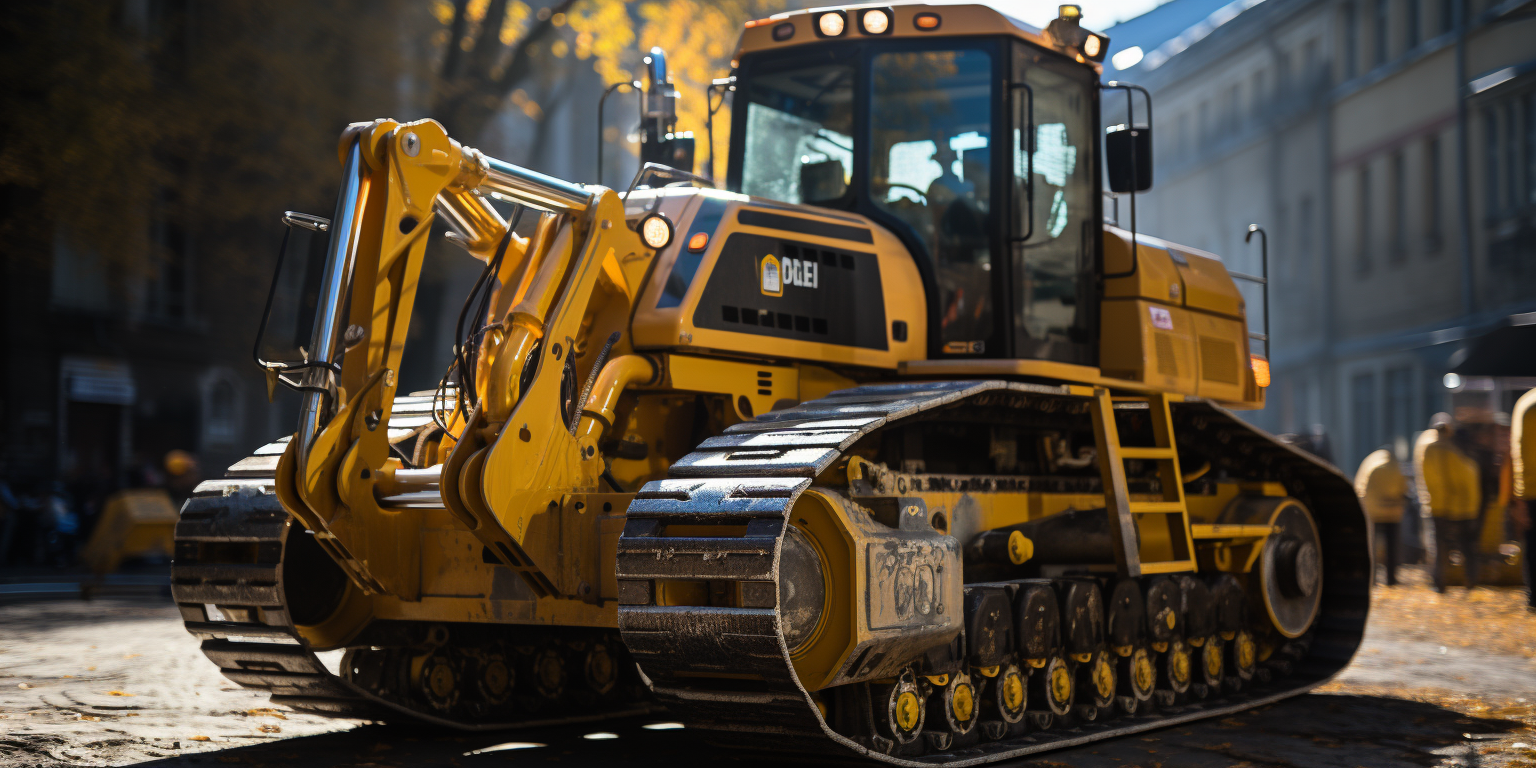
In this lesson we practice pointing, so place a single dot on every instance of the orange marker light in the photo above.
(698, 241)
(1260, 370)
(927, 21)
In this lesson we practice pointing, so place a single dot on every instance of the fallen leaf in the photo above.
(120, 693)
(200, 738)
(266, 712)
(92, 718)
(269, 728)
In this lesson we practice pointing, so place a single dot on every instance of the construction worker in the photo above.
(182, 475)
(1449, 497)
(1383, 492)
(1522, 449)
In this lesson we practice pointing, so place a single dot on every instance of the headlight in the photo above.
(831, 24)
(802, 589)
(656, 231)
(876, 22)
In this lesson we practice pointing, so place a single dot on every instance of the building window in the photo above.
(1411, 23)
(1351, 53)
(1302, 254)
(1380, 44)
(1362, 401)
(1434, 235)
(221, 410)
(1398, 216)
(1530, 147)
(167, 294)
(1283, 250)
(1491, 153)
(1363, 224)
(1512, 192)
(1399, 409)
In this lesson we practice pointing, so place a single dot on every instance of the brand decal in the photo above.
(775, 273)
(804, 273)
(770, 277)
(1161, 318)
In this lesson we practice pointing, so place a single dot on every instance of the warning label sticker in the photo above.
(1162, 318)
(770, 276)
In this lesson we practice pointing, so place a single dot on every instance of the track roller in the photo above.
(952, 708)
(1004, 699)
(1051, 689)
(898, 708)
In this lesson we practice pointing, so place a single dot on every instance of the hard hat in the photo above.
(179, 462)
(1439, 420)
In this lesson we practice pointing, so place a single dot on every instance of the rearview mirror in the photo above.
(1128, 158)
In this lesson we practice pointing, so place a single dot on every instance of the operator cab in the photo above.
(956, 128)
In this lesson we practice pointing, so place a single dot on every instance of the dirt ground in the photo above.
(1440, 681)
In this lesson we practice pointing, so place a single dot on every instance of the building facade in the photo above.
(1388, 149)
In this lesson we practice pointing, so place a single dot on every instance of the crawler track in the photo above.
(684, 649)
(233, 544)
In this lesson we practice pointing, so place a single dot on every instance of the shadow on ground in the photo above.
(1313, 730)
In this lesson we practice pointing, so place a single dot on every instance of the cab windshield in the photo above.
(800, 126)
(979, 154)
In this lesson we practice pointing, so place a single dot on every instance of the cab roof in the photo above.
(773, 32)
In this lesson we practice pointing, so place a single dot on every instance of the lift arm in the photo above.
(554, 292)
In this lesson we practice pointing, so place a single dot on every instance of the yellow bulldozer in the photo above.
(894, 446)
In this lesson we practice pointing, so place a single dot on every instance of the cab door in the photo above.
(1056, 224)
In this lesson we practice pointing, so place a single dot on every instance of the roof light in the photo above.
(1260, 370)
(875, 21)
(1092, 46)
(784, 31)
(1070, 12)
(831, 24)
(698, 241)
(656, 231)
(1127, 58)
(927, 22)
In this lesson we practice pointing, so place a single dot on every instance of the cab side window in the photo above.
(1054, 215)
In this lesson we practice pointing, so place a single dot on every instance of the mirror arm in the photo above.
(1130, 124)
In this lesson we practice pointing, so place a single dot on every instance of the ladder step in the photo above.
(1167, 566)
(1156, 508)
(1163, 454)
(1228, 531)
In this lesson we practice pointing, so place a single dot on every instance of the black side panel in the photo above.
(832, 296)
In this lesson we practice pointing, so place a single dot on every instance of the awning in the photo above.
(1507, 350)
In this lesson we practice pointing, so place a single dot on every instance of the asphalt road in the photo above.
(117, 681)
